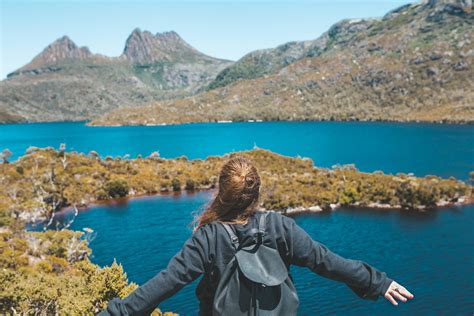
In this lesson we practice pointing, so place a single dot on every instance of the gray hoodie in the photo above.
(209, 250)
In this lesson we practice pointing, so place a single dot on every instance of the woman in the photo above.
(209, 250)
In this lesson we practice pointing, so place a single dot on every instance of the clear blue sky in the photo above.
(221, 28)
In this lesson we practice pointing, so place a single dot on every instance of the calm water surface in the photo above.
(444, 150)
(431, 253)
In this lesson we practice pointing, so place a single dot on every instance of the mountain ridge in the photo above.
(413, 64)
(267, 61)
(68, 82)
(142, 47)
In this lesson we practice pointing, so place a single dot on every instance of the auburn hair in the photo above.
(238, 194)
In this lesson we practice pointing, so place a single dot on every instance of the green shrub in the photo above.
(176, 184)
(20, 170)
(190, 185)
(117, 188)
(101, 195)
(48, 284)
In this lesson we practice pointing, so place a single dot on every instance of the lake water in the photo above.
(431, 253)
(445, 150)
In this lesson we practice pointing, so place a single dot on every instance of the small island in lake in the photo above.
(45, 180)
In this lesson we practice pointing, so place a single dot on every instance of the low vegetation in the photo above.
(49, 272)
(46, 180)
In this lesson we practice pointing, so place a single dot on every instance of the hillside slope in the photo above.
(414, 64)
(67, 82)
(269, 61)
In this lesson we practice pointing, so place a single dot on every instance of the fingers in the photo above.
(398, 296)
(403, 291)
(390, 299)
(397, 292)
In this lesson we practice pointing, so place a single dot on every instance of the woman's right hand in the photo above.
(397, 292)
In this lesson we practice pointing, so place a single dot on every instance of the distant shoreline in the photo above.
(436, 122)
(88, 122)
(466, 200)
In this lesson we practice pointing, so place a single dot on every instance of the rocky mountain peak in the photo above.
(170, 35)
(142, 47)
(63, 48)
(64, 42)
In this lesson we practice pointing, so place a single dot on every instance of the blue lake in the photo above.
(431, 253)
(445, 150)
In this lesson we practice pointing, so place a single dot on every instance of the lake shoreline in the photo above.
(464, 201)
(91, 124)
(437, 122)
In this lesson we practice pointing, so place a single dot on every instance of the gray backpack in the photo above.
(255, 281)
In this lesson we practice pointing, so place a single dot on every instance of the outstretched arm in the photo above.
(183, 268)
(366, 281)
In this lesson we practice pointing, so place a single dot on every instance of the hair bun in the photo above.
(249, 181)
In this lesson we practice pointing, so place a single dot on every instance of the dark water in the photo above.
(430, 253)
(444, 150)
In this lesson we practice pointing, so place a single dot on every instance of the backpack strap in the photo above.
(261, 231)
(261, 228)
(262, 223)
(233, 237)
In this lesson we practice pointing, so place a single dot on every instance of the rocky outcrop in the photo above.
(145, 48)
(61, 49)
(451, 6)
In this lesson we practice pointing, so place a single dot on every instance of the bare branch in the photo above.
(76, 212)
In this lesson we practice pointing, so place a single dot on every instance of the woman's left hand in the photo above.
(397, 292)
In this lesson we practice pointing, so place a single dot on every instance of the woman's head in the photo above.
(239, 190)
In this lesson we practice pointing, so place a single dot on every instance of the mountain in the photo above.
(68, 82)
(62, 49)
(145, 48)
(414, 64)
(269, 61)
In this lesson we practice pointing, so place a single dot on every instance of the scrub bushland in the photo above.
(50, 272)
(45, 180)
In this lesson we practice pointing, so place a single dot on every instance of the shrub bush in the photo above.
(117, 188)
(176, 184)
(190, 185)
